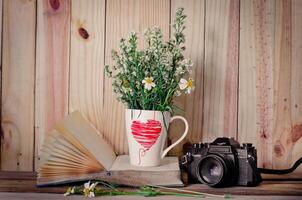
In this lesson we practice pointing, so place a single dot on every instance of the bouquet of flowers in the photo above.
(149, 79)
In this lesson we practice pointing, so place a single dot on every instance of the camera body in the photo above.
(222, 163)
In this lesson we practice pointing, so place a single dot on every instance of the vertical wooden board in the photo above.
(123, 16)
(191, 104)
(296, 95)
(247, 114)
(52, 71)
(0, 70)
(270, 81)
(256, 109)
(282, 85)
(287, 83)
(17, 142)
(87, 59)
(221, 69)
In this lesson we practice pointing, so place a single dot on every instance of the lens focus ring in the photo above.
(213, 170)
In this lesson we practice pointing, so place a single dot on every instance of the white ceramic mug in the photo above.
(147, 133)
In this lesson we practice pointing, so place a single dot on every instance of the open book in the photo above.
(76, 151)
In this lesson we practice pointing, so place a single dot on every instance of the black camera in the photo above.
(222, 163)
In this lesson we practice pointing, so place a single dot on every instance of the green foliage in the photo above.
(228, 196)
(149, 79)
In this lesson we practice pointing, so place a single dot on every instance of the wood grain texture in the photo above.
(123, 16)
(87, 59)
(52, 71)
(221, 69)
(0, 72)
(267, 98)
(287, 84)
(296, 95)
(191, 104)
(270, 81)
(21, 182)
(38, 196)
(256, 107)
(18, 73)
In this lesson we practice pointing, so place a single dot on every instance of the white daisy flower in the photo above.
(148, 82)
(186, 84)
(69, 191)
(89, 189)
(182, 83)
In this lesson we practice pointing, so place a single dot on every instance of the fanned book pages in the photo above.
(76, 151)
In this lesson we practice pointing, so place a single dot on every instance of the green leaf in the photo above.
(228, 196)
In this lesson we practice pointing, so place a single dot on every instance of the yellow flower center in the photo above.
(190, 83)
(86, 191)
(148, 80)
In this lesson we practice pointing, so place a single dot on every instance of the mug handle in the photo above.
(180, 139)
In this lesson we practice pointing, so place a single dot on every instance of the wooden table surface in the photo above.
(42, 196)
(26, 182)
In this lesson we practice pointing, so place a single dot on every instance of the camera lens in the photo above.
(213, 170)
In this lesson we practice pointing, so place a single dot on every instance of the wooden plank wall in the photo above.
(0, 69)
(220, 69)
(52, 67)
(18, 82)
(256, 109)
(270, 84)
(87, 59)
(248, 69)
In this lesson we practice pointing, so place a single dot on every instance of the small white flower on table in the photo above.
(148, 82)
(69, 191)
(89, 189)
(186, 84)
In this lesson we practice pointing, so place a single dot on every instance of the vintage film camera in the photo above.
(222, 163)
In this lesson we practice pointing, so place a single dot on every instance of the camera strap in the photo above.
(184, 161)
(256, 172)
(281, 171)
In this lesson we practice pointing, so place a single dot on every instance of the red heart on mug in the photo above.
(147, 133)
